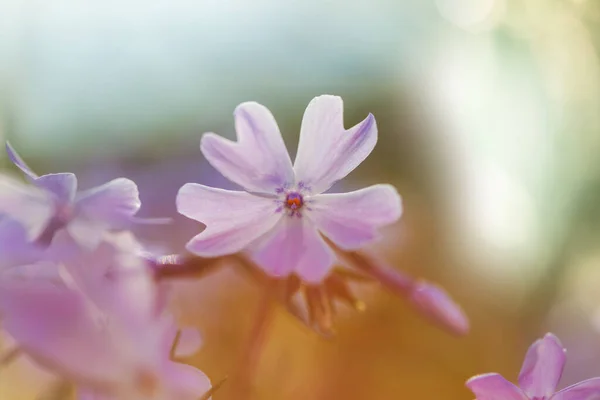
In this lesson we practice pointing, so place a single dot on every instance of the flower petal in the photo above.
(184, 382)
(585, 390)
(62, 185)
(351, 219)
(494, 387)
(116, 279)
(18, 161)
(85, 234)
(233, 219)
(327, 152)
(29, 205)
(15, 248)
(189, 342)
(543, 367)
(113, 204)
(294, 245)
(54, 325)
(258, 161)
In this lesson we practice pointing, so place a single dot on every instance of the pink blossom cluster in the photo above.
(81, 296)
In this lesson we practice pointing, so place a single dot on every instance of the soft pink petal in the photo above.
(494, 387)
(233, 219)
(184, 382)
(585, 390)
(294, 245)
(29, 205)
(327, 152)
(85, 233)
(116, 279)
(15, 247)
(62, 185)
(258, 161)
(56, 327)
(543, 367)
(112, 204)
(352, 219)
(435, 303)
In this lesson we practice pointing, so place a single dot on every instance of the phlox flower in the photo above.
(283, 211)
(52, 204)
(103, 327)
(538, 379)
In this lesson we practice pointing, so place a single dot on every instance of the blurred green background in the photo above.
(489, 126)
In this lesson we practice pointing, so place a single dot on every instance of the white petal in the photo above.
(352, 219)
(327, 152)
(294, 245)
(233, 219)
(258, 161)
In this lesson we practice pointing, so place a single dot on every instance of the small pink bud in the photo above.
(436, 304)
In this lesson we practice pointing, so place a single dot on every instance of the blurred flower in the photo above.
(103, 327)
(281, 214)
(53, 204)
(539, 376)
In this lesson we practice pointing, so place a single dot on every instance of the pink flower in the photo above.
(52, 204)
(538, 378)
(283, 212)
(103, 328)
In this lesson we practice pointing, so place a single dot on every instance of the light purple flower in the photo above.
(539, 376)
(283, 212)
(102, 328)
(52, 203)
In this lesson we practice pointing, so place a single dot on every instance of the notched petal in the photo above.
(258, 161)
(353, 219)
(233, 219)
(327, 152)
(294, 245)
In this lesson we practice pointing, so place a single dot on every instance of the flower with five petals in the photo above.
(52, 204)
(283, 212)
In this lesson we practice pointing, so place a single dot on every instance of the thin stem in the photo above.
(395, 281)
(254, 348)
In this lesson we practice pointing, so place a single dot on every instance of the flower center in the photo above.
(294, 201)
